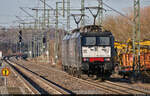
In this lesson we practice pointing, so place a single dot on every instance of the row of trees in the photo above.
(122, 29)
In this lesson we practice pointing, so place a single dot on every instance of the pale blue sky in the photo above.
(10, 8)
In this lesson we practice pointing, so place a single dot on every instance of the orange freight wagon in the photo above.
(127, 61)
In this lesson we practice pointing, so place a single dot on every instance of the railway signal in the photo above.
(20, 39)
(44, 39)
(20, 36)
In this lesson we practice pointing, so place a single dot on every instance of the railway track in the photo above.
(129, 88)
(121, 88)
(39, 84)
(23, 80)
(107, 86)
(111, 86)
(115, 87)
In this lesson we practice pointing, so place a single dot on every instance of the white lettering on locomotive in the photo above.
(96, 51)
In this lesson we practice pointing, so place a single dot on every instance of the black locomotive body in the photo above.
(88, 50)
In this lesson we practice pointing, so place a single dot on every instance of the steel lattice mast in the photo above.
(82, 12)
(68, 16)
(100, 17)
(136, 34)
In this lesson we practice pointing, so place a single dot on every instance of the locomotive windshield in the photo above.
(88, 40)
(103, 40)
(95, 41)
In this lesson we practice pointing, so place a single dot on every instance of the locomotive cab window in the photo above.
(103, 41)
(95, 41)
(88, 40)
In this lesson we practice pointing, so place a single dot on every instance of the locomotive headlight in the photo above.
(85, 59)
(107, 59)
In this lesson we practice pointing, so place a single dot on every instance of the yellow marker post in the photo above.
(5, 72)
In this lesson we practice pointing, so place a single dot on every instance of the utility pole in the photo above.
(48, 17)
(39, 45)
(35, 45)
(44, 14)
(56, 35)
(36, 19)
(56, 48)
(35, 36)
(40, 23)
(100, 17)
(38, 38)
(47, 46)
(32, 43)
(43, 28)
(68, 16)
(63, 8)
(82, 12)
(136, 35)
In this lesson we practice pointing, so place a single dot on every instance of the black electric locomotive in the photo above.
(88, 50)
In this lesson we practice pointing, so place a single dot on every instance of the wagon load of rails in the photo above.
(88, 50)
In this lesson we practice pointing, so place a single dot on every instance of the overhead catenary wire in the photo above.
(50, 7)
(130, 21)
(27, 13)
